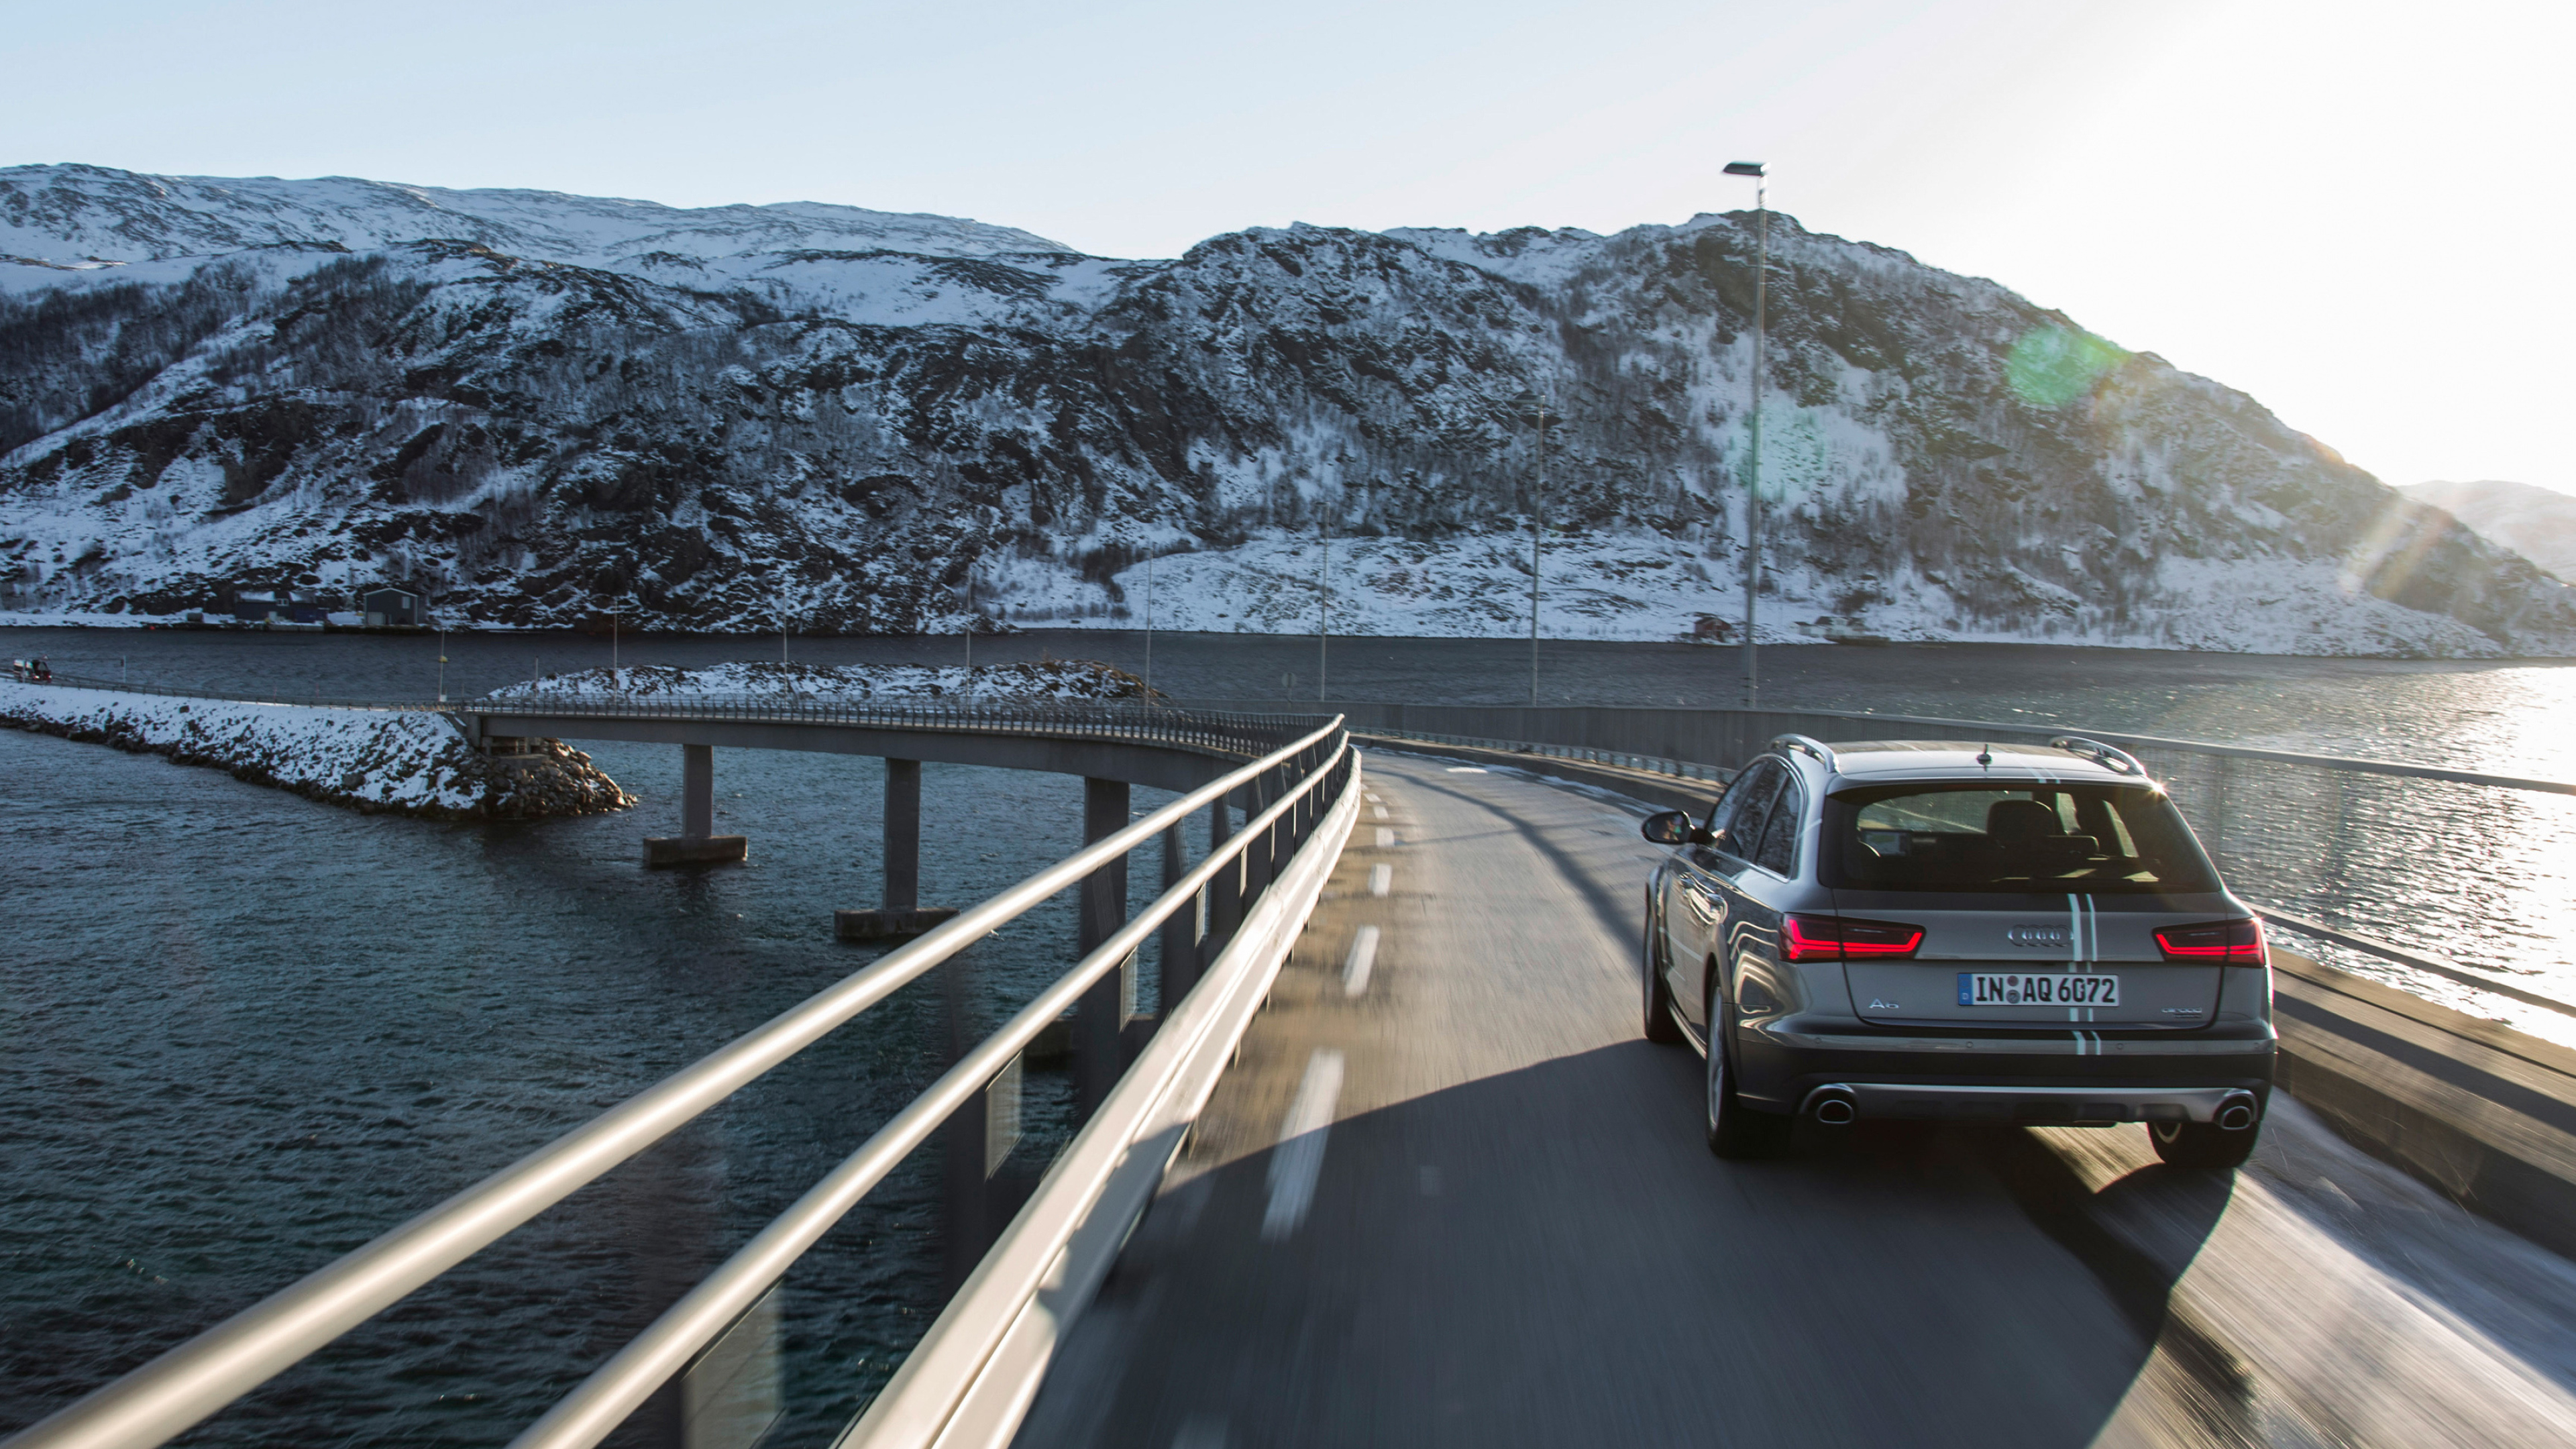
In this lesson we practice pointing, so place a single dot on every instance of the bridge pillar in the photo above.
(697, 843)
(901, 916)
(1225, 892)
(1101, 1019)
(1180, 929)
(697, 790)
(902, 834)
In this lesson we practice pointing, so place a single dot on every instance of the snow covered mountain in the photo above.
(74, 216)
(2538, 523)
(539, 408)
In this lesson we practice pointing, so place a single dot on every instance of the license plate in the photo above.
(2007, 988)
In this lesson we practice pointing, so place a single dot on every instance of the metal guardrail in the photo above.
(1306, 792)
(1620, 759)
(2421, 961)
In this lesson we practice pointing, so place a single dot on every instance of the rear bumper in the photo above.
(2085, 1106)
(2061, 1077)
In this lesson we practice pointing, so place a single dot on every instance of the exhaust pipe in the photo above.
(1833, 1106)
(2235, 1114)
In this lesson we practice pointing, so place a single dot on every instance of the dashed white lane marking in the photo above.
(1380, 812)
(1370, 796)
(1355, 971)
(1381, 879)
(1466, 769)
(1385, 836)
(1300, 1156)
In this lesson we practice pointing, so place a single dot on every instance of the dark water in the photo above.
(241, 1033)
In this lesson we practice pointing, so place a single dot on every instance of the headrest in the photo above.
(2017, 822)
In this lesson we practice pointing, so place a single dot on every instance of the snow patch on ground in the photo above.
(1067, 679)
(1645, 586)
(406, 762)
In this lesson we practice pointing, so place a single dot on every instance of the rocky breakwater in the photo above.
(404, 762)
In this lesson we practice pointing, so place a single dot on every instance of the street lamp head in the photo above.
(1745, 168)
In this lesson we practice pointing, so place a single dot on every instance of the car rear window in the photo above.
(2093, 839)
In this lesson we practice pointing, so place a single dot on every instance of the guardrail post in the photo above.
(1102, 1015)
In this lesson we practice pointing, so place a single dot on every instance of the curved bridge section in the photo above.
(1110, 746)
(1167, 749)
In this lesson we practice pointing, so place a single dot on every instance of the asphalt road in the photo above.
(1493, 1223)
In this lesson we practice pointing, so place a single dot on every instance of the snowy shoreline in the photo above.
(1050, 679)
(413, 762)
(393, 762)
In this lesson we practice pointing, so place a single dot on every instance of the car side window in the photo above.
(1754, 792)
(1779, 848)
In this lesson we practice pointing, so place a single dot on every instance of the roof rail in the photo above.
(2120, 761)
(1824, 753)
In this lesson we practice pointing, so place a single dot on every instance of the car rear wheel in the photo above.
(2201, 1144)
(1736, 1131)
(1660, 1026)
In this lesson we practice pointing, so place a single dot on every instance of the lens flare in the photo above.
(2052, 366)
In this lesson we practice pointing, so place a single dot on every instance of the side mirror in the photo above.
(1668, 827)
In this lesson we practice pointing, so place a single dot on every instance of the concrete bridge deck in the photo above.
(1509, 1233)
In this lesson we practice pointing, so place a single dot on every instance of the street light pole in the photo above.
(1753, 474)
(1538, 511)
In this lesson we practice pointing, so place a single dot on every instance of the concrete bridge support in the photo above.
(697, 843)
(1225, 893)
(1100, 1021)
(900, 915)
(1181, 928)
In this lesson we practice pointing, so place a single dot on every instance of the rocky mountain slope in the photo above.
(2538, 523)
(542, 408)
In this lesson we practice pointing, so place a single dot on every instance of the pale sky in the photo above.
(2359, 214)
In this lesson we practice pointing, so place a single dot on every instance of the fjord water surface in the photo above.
(241, 1033)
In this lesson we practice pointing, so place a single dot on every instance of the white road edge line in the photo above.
(1355, 971)
(1381, 879)
(1299, 1159)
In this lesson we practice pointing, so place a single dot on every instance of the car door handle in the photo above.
(1702, 906)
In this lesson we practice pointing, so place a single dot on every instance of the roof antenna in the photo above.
(1985, 753)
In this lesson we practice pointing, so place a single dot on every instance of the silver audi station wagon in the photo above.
(1932, 929)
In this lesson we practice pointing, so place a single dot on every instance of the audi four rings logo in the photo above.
(2036, 936)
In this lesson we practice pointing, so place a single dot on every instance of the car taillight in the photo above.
(1831, 938)
(2234, 943)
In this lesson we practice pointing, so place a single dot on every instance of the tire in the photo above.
(2202, 1144)
(1661, 1028)
(1735, 1131)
